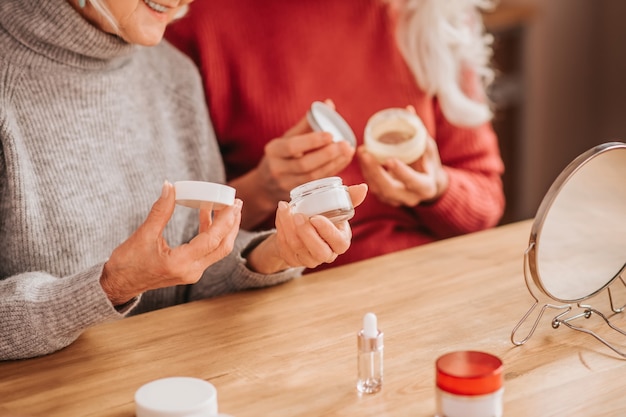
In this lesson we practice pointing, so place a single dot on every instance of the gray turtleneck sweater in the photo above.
(90, 127)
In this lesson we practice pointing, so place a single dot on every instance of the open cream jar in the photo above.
(395, 133)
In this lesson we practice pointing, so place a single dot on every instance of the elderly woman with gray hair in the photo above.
(96, 116)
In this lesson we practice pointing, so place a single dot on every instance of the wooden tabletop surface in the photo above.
(290, 350)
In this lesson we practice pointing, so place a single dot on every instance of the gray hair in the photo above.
(440, 39)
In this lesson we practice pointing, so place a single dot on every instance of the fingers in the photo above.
(298, 240)
(161, 210)
(413, 180)
(325, 162)
(291, 247)
(336, 236)
(331, 158)
(357, 193)
(299, 128)
(205, 218)
(376, 177)
(285, 173)
(426, 177)
(391, 182)
(216, 241)
(416, 186)
(296, 146)
(309, 242)
(330, 103)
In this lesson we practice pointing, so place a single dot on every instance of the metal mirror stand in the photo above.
(582, 311)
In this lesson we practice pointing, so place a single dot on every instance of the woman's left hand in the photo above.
(303, 241)
(398, 184)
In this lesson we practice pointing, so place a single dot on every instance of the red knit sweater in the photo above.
(265, 62)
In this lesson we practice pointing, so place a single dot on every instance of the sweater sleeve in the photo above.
(474, 199)
(231, 274)
(41, 314)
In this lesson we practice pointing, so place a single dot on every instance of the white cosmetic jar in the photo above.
(176, 397)
(327, 197)
(395, 133)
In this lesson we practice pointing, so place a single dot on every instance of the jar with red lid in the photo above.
(469, 384)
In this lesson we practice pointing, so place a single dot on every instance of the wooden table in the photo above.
(290, 350)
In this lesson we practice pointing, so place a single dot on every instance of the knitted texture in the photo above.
(264, 63)
(90, 127)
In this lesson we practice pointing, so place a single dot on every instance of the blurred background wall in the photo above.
(568, 62)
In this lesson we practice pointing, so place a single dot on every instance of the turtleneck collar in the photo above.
(54, 30)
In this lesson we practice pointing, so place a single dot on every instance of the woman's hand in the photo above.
(302, 241)
(398, 184)
(145, 261)
(300, 156)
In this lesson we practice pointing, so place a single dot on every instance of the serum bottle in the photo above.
(370, 356)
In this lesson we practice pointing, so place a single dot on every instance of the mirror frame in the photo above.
(572, 310)
(544, 208)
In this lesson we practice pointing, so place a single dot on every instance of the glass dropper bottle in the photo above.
(370, 356)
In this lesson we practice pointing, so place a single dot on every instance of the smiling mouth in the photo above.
(156, 7)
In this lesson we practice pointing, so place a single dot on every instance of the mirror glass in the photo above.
(578, 238)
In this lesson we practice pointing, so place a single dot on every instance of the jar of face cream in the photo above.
(327, 197)
(395, 133)
(176, 397)
(469, 384)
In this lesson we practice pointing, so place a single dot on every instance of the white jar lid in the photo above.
(201, 194)
(323, 118)
(176, 397)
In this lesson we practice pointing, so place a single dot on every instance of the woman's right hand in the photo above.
(302, 241)
(299, 156)
(145, 261)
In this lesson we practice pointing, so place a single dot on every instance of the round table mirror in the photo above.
(577, 245)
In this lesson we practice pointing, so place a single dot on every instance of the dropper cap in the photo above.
(370, 326)
(370, 338)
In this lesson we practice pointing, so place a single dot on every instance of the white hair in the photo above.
(440, 39)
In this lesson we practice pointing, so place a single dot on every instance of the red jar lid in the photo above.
(469, 373)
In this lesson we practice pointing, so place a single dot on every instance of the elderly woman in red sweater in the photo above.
(264, 63)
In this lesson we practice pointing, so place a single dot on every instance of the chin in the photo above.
(150, 38)
(150, 42)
